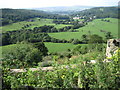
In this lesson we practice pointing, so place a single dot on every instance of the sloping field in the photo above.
(4, 49)
(52, 47)
(95, 27)
(10, 48)
(59, 47)
(67, 35)
(36, 22)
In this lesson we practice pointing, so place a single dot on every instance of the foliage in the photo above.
(88, 48)
(45, 63)
(14, 15)
(83, 75)
(69, 71)
(99, 12)
(75, 24)
(92, 39)
(80, 50)
(52, 29)
(13, 37)
(32, 36)
(41, 47)
(75, 41)
(23, 55)
(109, 35)
(31, 24)
(58, 47)
(95, 27)
(84, 38)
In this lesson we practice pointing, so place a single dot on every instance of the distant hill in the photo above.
(63, 9)
(99, 12)
(15, 15)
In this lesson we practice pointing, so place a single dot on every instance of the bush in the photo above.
(23, 55)
(80, 49)
(101, 75)
(45, 64)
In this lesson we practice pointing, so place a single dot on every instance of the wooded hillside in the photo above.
(15, 15)
(99, 12)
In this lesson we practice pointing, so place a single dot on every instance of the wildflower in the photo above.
(63, 76)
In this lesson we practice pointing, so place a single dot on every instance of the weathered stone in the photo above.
(112, 46)
(18, 70)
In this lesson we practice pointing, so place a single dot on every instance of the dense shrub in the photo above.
(102, 75)
(24, 55)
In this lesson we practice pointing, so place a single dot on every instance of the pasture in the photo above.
(95, 27)
(10, 48)
(67, 35)
(58, 47)
(4, 49)
(36, 22)
(52, 47)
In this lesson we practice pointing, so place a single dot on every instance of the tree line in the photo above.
(33, 36)
(15, 15)
(12, 37)
(99, 12)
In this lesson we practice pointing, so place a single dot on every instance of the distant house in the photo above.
(81, 17)
(76, 17)
(81, 22)
(31, 20)
(90, 18)
(94, 17)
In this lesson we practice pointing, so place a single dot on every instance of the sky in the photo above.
(51, 3)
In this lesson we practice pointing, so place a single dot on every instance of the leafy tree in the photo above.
(76, 41)
(95, 39)
(24, 55)
(5, 39)
(80, 49)
(41, 47)
(16, 15)
(99, 12)
(84, 38)
(109, 35)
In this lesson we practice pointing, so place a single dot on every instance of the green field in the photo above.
(4, 49)
(59, 47)
(93, 27)
(52, 47)
(97, 25)
(67, 35)
(36, 23)
(7, 48)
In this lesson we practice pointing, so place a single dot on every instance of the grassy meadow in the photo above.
(58, 47)
(93, 27)
(52, 47)
(37, 22)
(67, 35)
(36, 56)
(4, 49)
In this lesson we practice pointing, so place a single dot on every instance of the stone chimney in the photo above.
(112, 46)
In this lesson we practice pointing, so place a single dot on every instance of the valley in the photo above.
(42, 39)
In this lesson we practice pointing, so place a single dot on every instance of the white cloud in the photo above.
(47, 3)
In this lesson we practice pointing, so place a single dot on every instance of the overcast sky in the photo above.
(50, 3)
